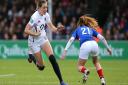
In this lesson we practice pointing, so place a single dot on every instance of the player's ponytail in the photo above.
(80, 21)
(88, 21)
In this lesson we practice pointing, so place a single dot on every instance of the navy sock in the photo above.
(55, 67)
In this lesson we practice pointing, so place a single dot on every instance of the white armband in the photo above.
(99, 36)
(69, 43)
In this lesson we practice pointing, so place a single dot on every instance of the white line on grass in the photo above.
(7, 75)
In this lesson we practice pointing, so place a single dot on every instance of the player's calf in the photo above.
(55, 67)
(31, 59)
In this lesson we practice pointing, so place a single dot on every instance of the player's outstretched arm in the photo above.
(59, 28)
(99, 36)
(67, 47)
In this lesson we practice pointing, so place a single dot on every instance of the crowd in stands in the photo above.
(116, 26)
(14, 14)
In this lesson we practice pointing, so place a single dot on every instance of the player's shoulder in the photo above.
(35, 15)
(78, 28)
(47, 14)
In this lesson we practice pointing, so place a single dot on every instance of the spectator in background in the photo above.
(115, 27)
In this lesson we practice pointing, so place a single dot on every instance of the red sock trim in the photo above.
(100, 73)
(83, 69)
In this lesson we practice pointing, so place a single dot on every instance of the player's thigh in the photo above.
(47, 48)
(34, 48)
(94, 49)
(84, 51)
(84, 54)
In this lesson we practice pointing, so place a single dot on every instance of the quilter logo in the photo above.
(14, 50)
(116, 52)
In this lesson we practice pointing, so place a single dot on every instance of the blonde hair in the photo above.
(88, 21)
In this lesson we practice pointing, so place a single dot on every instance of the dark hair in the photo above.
(40, 2)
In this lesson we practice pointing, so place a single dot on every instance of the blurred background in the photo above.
(112, 16)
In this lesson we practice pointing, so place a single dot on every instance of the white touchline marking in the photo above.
(7, 75)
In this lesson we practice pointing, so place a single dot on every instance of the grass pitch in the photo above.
(20, 72)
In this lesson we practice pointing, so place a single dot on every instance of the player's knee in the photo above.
(41, 67)
(52, 59)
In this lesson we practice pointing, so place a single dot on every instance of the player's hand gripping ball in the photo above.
(36, 30)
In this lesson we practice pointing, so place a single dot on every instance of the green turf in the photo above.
(20, 72)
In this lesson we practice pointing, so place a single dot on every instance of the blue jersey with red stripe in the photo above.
(84, 34)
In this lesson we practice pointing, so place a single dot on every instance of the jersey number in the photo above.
(85, 31)
(42, 26)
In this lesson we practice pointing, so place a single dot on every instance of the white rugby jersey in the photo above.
(38, 22)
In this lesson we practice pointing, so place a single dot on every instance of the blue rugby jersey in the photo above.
(84, 34)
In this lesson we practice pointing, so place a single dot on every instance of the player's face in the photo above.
(44, 8)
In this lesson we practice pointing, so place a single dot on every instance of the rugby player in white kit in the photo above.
(37, 39)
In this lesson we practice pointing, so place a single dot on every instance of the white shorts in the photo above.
(35, 46)
(88, 48)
